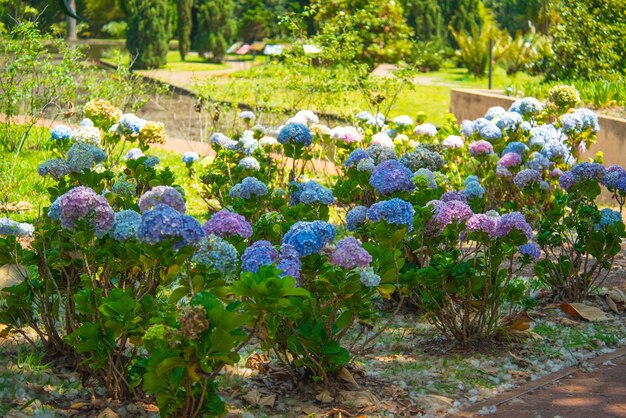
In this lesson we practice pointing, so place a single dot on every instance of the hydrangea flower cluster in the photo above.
(530, 249)
(582, 172)
(453, 142)
(296, 133)
(473, 189)
(489, 132)
(349, 253)
(247, 143)
(87, 135)
(16, 229)
(615, 179)
(542, 134)
(56, 168)
(355, 217)
(608, 217)
(249, 163)
(124, 188)
(217, 253)
(309, 237)
(528, 106)
(423, 157)
(131, 123)
(133, 154)
(480, 147)
(392, 176)
(468, 128)
(571, 123)
(82, 203)
(83, 156)
(368, 277)
(125, 226)
(495, 112)
(223, 141)
(510, 159)
(260, 253)
(453, 195)
(190, 157)
(446, 213)
(102, 112)
(307, 116)
(512, 221)
(162, 195)
(163, 223)
(225, 224)
(311, 192)
(383, 139)
(481, 222)
(247, 115)
(355, 156)
(60, 133)
(346, 134)
(369, 119)
(425, 129)
(526, 178)
(366, 164)
(289, 263)
(427, 175)
(380, 154)
(248, 188)
(589, 119)
(393, 211)
(538, 162)
(509, 121)
(403, 120)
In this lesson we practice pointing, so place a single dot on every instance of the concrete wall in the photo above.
(472, 104)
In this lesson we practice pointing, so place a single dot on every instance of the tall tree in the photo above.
(426, 19)
(183, 28)
(217, 28)
(147, 37)
(461, 15)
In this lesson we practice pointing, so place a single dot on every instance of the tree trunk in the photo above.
(71, 23)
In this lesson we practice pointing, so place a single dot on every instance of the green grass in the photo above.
(192, 62)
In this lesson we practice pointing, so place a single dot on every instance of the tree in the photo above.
(461, 15)
(183, 28)
(147, 37)
(217, 28)
(425, 18)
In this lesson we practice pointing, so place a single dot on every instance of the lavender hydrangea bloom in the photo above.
(555, 150)
(190, 157)
(16, 229)
(527, 177)
(481, 223)
(423, 157)
(355, 217)
(289, 263)
(56, 168)
(503, 172)
(82, 156)
(445, 213)
(530, 249)
(453, 142)
(571, 123)
(615, 178)
(355, 156)
(309, 237)
(247, 114)
(480, 148)
(60, 133)
(517, 147)
(162, 195)
(165, 223)
(218, 253)
(224, 224)
(311, 192)
(248, 188)
(260, 253)
(526, 106)
(490, 132)
(82, 203)
(538, 162)
(126, 224)
(567, 180)
(380, 154)
(249, 163)
(582, 172)
(296, 133)
(133, 154)
(467, 128)
(132, 123)
(349, 253)
(453, 195)
(589, 119)
(512, 221)
(510, 159)
(429, 175)
(394, 211)
(426, 129)
(509, 121)
(495, 112)
(222, 141)
(556, 172)
(390, 177)
(368, 277)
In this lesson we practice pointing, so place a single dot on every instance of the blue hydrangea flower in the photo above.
(126, 224)
(526, 126)
(190, 157)
(542, 134)
(379, 153)
(467, 127)
(355, 217)
(517, 147)
(289, 263)
(56, 168)
(248, 188)
(509, 121)
(530, 249)
(571, 123)
(60, 133)
(556, 150)
(260, 253)
(428, 175)
(133, 154)
(390, 177)
(249, 163)
(311, 192)
(218, 253)
(309, 237)
(589, 119)
(490, 132)
(495, 112)
(16, 229)
(54, 212)
(296, 133)
(473, 190)
(165, 223)
(615, 179)
(470, 179)
(394, 211)
(528, 106)
(367, 165)
(422, 157)
(165, 195)
(86, 122)
(527, 177)
(247, 143)
(538, 162)
(608, 217)
(132, 123)
(355, 156)
(582, 172)
(368, 277)
(151, 161)
(222, 141)
(82, 156)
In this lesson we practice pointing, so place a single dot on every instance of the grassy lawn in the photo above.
(193, 62)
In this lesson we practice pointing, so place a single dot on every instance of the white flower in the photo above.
(404, 120)
(308, 116)
(87, 134)
(426, 129)
(382, 139)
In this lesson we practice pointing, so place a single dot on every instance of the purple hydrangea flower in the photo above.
(296, 133)
(392, 176)
(481, 223)
(511, 221)
(445, 213)
(133, 154)
(309, 237)
(526, 177)
(394, 211)
(60, 133)
(165, 223)
(480, 147)
(311, 192)
(260, 253)
(162, 195)
(567, 180)
(356, 217)
(530, 249)
(582, 172)
(218, 253)
(556, 172)
(356, 156)
(248, 188)
(510, 159)
(82, 203)
(615, 178)
(126, 224)
(349, 253)
(289, 262)
(503, 172)
(225, 224)
(454, 195)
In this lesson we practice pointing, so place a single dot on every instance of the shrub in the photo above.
(147, 36)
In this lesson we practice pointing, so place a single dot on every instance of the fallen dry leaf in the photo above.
(617, 295)
(433, 403)
(347, 377)
(255, 398)
(258, 361)
(16, 207)
(357, 398)
(324, 397)
(81, 405)
(611, 304)
(312, 410)
(580, 310)
(108, 413)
